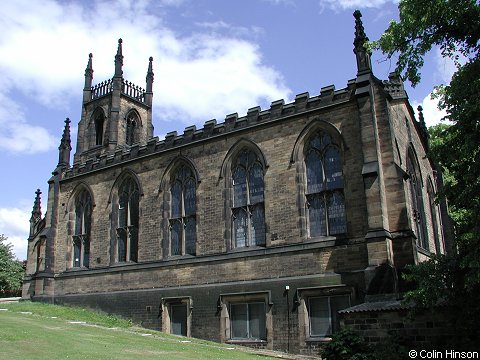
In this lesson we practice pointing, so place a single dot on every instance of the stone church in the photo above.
(256, 230)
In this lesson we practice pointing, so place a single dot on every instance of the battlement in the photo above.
(255, 116)
(394, 86)
(128, 88)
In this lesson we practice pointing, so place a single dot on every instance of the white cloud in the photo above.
(44, 49)
(19, 136)
(218, 76)
(446, 66)
(14, 224)
(338, 5)
(431, 113)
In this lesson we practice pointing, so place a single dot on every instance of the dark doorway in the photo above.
(178, 319)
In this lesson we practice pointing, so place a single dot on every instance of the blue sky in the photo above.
(211, 58)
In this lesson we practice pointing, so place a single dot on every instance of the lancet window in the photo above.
(248, 211)
(128, 219)
(182, 222)
(325, 201)
(83, 222)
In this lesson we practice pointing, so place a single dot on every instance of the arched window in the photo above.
(248, 212)
(127, 226)
(416, 199)
(99, 121)
(183, 223)
(83, 222)
(132, 122)
(433, 216)
(324, 186)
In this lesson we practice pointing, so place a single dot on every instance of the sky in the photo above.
(211, 58)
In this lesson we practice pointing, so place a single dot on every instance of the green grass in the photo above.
(67, 313)
(30, 331)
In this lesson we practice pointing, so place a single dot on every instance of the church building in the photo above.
(256, 230)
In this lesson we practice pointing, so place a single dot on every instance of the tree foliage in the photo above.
(11, 270)
(453, 26)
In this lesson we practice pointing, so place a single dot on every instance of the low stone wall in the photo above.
(426, 330)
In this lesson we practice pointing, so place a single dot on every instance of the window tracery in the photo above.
(248, 213)
(183, 224)
(83, 222)
(324, 186)
(416, 199)
(128, 219)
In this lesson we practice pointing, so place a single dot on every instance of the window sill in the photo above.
(246, 248)
(318, 339)
(323, 238)
(174, 257)
(122, 263)
(81, 268)
(330, 240)
(424, 251)
(246, 341)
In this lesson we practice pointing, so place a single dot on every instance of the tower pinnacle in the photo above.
(89, 73)
(119, 60)
(423, 125)
(364, 64)
(37, 210)
(65, 146)
(149, 78)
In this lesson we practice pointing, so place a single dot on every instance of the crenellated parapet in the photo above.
(394, 86)
(278, 111)
(119, 150)
(115, 112)
(101, 89)
(128, 88)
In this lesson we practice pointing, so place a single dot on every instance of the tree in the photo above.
(11, 270)
(454, 27)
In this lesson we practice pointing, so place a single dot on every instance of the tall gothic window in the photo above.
(131, 125)
(99, 121)
(416, 198)
(324, 189)
(183, 224)
(83, 222)
(433, 216)
(127, 228)
(248, 212)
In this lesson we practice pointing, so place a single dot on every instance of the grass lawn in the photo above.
(31, 331)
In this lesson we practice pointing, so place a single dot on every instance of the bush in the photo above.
(393, 347)
(347, 345)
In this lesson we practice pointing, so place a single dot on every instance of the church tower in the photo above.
(115, 112)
